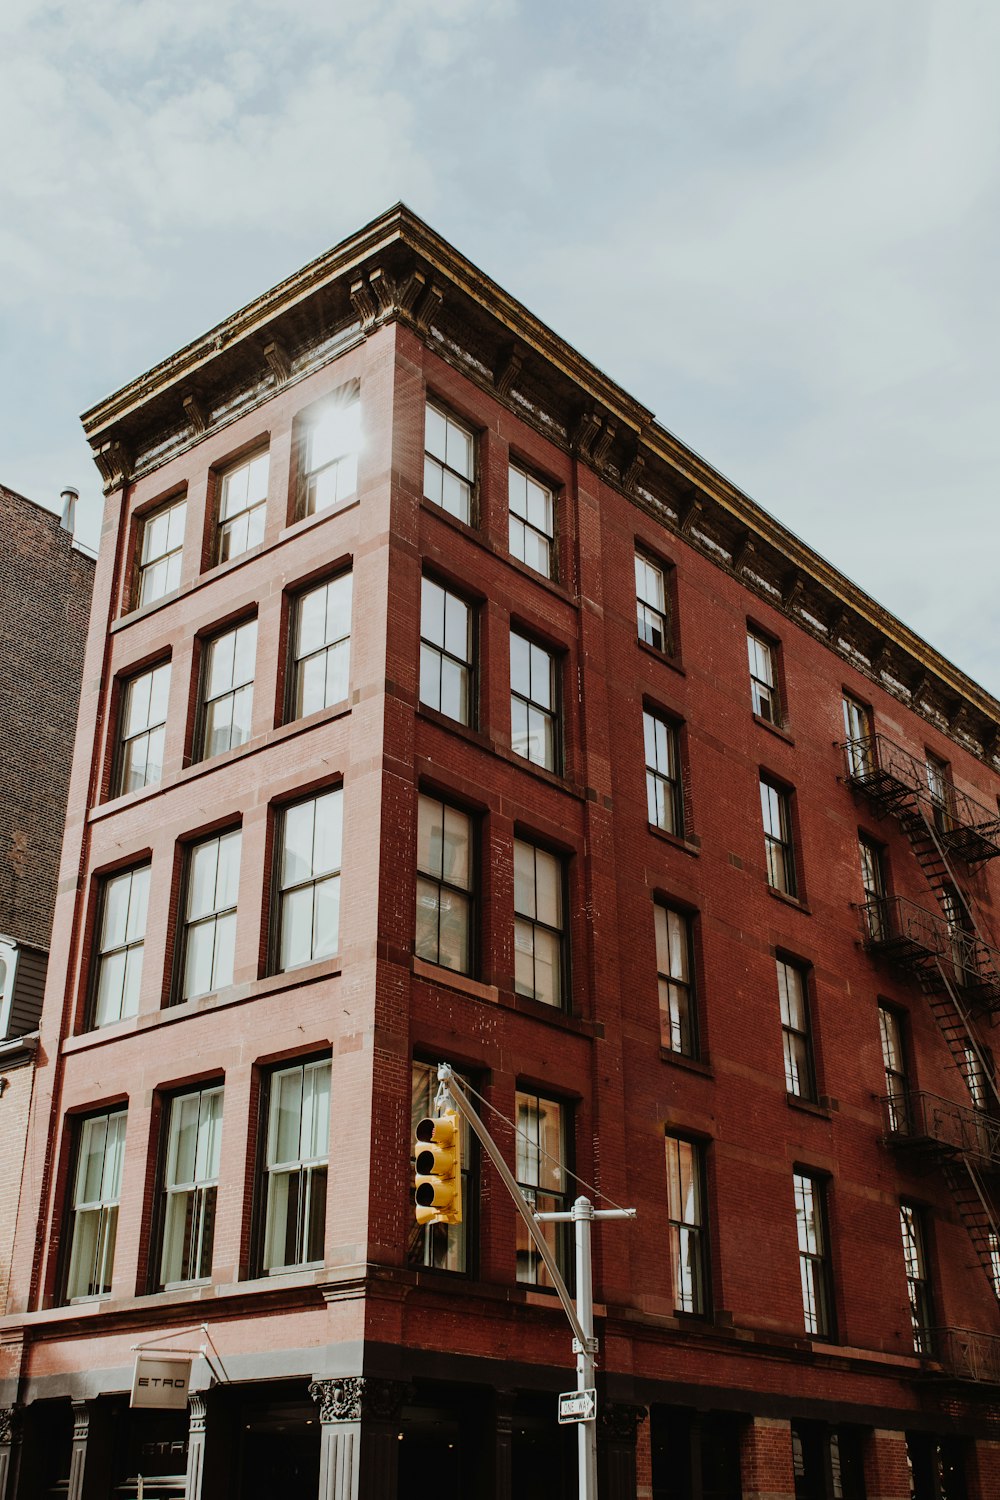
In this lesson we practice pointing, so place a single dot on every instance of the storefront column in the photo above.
(887, 1471)
(10, 1437)
(78, 1458)
(766, 1460)
(644, 1462)
(617, 1428)
(359, 1427)
(197, 1408)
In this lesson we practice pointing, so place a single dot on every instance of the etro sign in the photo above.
(161, 1382)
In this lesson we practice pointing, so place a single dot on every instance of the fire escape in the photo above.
(945, 950)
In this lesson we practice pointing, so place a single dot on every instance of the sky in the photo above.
(775, 224)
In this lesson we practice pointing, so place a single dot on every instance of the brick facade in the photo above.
(712, 1381)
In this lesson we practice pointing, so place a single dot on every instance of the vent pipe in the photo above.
(69, 496)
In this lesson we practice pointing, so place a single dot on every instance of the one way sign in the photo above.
(578, 1406)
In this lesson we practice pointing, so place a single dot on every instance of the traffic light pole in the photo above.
(580, 1315)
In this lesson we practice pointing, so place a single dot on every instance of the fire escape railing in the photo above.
(967, 1354)
(918, 939)
(894, 777)
(919, 1119)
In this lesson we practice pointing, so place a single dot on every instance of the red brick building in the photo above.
(45, 588)
(439, 704)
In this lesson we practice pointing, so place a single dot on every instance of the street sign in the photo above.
(161, 1382)
(578, 1406)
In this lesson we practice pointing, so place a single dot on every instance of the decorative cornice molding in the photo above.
(194, 412)
(114, 464)
(620, 1421)
(508, 368)
(10, 1423)
(278, 361)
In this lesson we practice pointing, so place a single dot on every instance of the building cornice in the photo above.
(397, 268)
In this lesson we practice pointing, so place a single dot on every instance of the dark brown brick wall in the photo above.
(45, 589)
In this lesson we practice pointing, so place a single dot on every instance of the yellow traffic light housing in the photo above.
(438, 1168)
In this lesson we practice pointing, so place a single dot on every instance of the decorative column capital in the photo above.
(10, 1422)
(81, 1421)
(349, 1398)
(197, 1409)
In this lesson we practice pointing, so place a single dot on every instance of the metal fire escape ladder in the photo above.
(977, 1214)
(898, 789)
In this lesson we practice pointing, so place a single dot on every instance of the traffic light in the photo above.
(438, 1169)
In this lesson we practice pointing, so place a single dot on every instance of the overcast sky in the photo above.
(774, 223)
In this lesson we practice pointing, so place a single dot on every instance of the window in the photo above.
(8, 969)
(897, 1085)
(814, 1253)
(794, 1005)
(445, 652)
(540, 1149)
(763, 677)
(918, 1283)
(444, 885)
(190, 1185)
(651, 604)
(775, 806)
(242, 507)
(533, 718)
(330, 439)
(298, 1147)
(664, 792)
(873, 881)
(532, 521)
(686, 1213)
(443, 1246)
(209, 939)
(859, 744)
(144, 715)
(828, 1462)
(122, 936)
(538, 924)
(160, 552)
(227, 690)
(309, 880)
(678, 1031)
(96, 1190)
(321, 647)
(942, 792)
(975, 1077)
(449, 464)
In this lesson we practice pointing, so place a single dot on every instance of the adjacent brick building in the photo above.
(45, 588)
(439, 704)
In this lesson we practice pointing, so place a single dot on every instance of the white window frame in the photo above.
(192, 1197)
(308, 1165)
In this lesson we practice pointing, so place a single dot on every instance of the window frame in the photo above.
(766, 697)
(917, 1270)
(185, 922)
(470, 481)
(198, 1188)
(668, 981)
(145, 566)
(544, 539)
(294, 660)
(683, 1231)
(669, 780)
(267, 1171)
(123, 742)
(560, 934)
(940, 789)
(557, 1235)
(874, 884)
(279, 890)
(897, 1078)
(98, 954)
(551, 715)
(443, 655)
(79, 1124)
(797, 1041)
(779, 848)
(858, 725)
(221, 480)
(815, 1265)
(466, 894)
(307, 420)
(664, 571)
(208, 645)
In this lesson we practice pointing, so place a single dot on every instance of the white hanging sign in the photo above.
(161, 1381)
